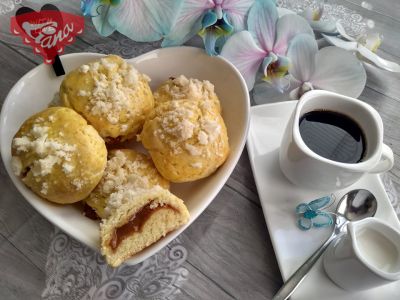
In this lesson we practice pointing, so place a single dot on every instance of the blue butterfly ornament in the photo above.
(312, 215)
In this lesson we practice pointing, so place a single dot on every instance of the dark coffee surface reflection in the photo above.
(333, 135)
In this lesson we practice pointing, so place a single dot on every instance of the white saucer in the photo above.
(279, 198)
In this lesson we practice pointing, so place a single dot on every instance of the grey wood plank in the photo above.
(199, 286)
(388, 8)
(389, 27)
(14, 209)
(33, 239)
(382, 81)
(13, 67)
(244, 175)
(389, 110)
(229, 242)
(19, 278)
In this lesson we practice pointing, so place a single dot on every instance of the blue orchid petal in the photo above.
(271, 58)
(226, 25)
(100, 19)
(320, 202)
(304, 224)
(86, 6)
(213, 33)
(210, 37)
(322, 219)
(144, 20)
(187, 22)
(261, 21)
(302, 208)
(275, 67)
(219, 44)
(209, 19)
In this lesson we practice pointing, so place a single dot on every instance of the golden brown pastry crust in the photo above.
(58, 155)
(125, 168)
(186, 140)
(169, 213)
(112, 95)
(182, 88)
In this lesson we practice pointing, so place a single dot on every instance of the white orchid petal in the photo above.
(284, 11)
(349, 46)
(307, 14)
(261, 21)
(245, 55)
(286, 28)
(301, 52)
(264, 92)
(339, 71)
(324, 26)
(378, 61)
(371, 41)
(294, 94)
(342, 32)
(236, 11)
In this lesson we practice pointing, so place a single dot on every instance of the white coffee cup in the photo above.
(366, 257)
(304, 167)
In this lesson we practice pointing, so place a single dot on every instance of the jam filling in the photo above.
(90, 212)
(135, 224)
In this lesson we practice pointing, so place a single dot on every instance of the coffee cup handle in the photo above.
(386, 162)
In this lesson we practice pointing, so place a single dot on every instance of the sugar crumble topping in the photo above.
(110, 95)
(197, 165)
(181, 128)
(16, 165)
(84, 69)
(193, 150)
(122, 179)
(49, 150)
(45, 187)
(190, 89)
(78, 183)
(83, 93)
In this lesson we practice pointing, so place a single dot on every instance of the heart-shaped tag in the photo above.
(47, 31)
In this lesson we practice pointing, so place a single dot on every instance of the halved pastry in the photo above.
(140, 222)
(126, 169)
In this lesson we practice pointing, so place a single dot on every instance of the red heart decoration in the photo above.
(47, 31)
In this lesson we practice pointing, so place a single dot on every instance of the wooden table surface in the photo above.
(229, 249)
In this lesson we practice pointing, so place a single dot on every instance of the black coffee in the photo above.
(333, 136)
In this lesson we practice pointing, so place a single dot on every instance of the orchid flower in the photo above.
(365, 46)
(140, 20)
(313, 17)
(264, 44)
(331, 68)
(213, 20)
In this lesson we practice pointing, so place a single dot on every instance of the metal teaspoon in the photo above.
(354, 206)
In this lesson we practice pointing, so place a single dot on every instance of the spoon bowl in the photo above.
(357, 205)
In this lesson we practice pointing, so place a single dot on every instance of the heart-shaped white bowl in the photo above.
(34, 91)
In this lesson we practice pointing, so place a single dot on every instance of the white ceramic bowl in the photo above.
(34, 91)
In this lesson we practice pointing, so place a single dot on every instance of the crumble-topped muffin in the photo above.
(58, 155)
(111, 94)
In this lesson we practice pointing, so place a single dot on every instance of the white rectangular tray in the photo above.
(279, 198)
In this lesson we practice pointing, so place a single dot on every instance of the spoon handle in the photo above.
(294, 281)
